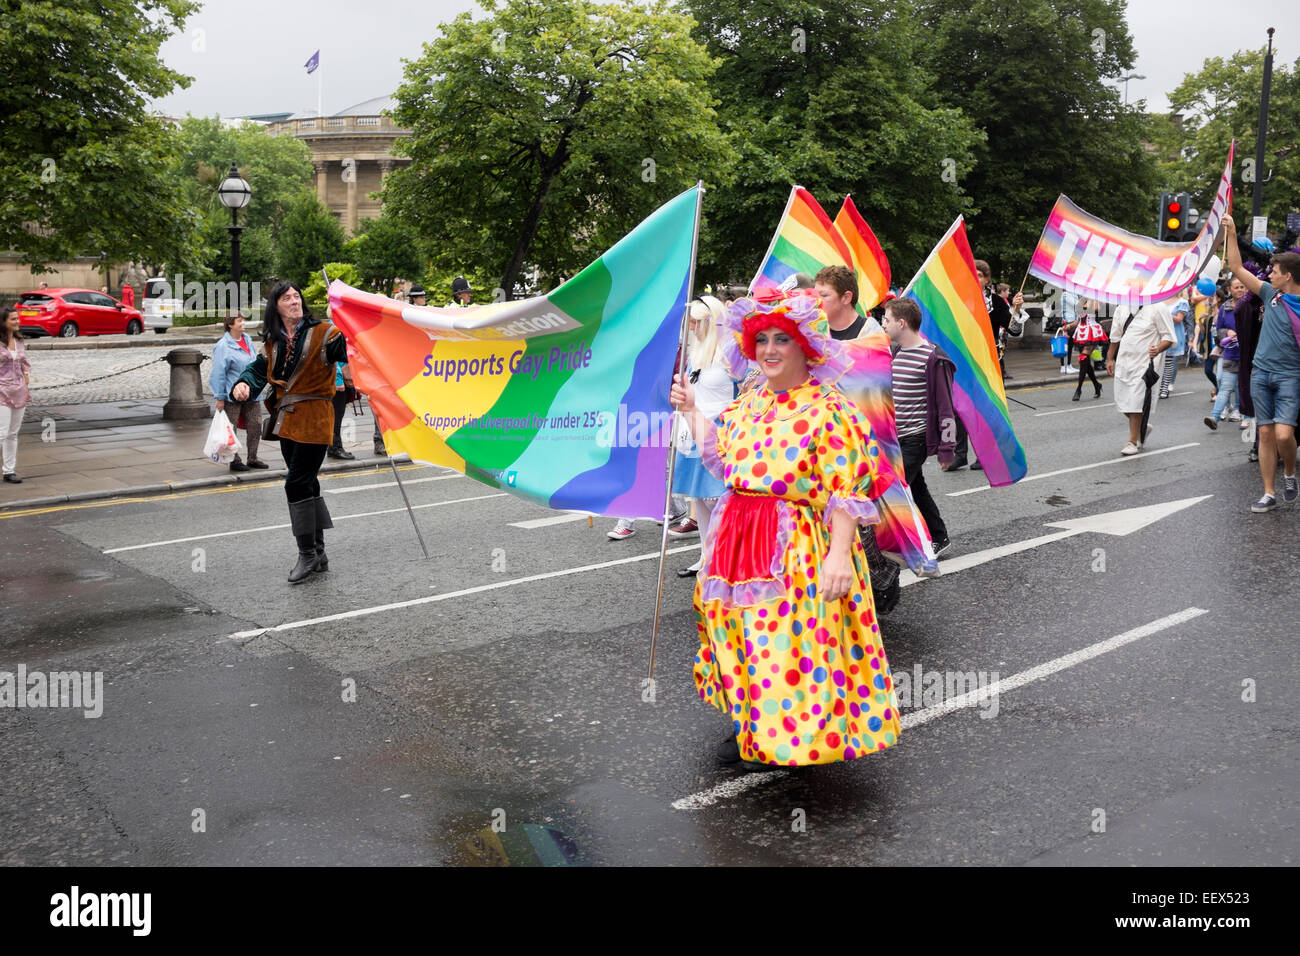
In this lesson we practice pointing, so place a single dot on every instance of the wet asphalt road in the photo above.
(400, 735)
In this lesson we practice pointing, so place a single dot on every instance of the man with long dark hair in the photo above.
(297, 358)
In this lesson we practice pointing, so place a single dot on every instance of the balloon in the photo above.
(1205, 286)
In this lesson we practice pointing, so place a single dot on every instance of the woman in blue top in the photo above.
(230, 357)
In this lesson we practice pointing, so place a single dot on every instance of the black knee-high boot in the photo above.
(302, 520)
(323, 521)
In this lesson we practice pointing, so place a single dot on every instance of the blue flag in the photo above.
(313, 62)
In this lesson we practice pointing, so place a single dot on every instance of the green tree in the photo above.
(277, 168)
(1219, 103)
(383, 251)
(545, 131)
(84, 165)
(256, 256)
(829, 96)
(1032, 74)
(316, 294)
(309, 238)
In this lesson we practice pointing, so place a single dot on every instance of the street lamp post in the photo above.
(1125, 79)
(1257, 191)
(234, 194)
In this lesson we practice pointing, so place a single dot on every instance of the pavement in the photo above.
(84, 451)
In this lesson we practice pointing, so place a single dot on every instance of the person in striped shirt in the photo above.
(922, 407)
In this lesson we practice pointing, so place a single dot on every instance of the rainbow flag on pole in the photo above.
(868, 259)
(953, 317)
(805, 241)
(561, 399)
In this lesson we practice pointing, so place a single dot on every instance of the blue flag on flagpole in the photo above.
(313, 62)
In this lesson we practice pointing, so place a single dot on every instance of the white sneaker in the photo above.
(1130, 449)
(1235, 416)
(1071, 370)
(1066, 370)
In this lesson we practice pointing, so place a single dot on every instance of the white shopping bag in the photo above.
(222, 445)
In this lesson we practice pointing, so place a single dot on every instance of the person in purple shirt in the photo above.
(1228, 351)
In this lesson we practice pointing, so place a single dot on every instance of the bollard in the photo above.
(185, 399)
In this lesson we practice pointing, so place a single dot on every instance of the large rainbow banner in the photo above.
(560, 399)
(1078, 252)
(954, 318)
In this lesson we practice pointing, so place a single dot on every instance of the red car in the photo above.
(72, 312)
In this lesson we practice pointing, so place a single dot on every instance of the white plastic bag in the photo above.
(222, 445)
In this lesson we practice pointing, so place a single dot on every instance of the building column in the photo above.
(351, 220)
(385, 167)
(321, 167)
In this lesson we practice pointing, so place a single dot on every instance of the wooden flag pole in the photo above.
(677, 423)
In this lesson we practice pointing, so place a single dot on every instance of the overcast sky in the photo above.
(248, 56)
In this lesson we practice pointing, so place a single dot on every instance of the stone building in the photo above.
(352, 153)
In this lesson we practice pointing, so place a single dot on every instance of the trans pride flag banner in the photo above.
(954, 318)
(560, 399)
(869, 261)
(1078, 252)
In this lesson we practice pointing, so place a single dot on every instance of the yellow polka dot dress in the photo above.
(803, 681)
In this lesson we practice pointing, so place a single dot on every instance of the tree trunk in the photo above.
(534, 218)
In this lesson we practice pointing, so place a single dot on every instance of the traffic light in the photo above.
(1173, 216)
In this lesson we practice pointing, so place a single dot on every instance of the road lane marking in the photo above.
(546, 522)
(416, 602)
(391, 484)
(278, 527)
(1082, 408)
(1092, 405)
(134, 499)
(738, 785)
(1064, 471)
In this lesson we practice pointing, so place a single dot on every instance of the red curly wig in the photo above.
(756, 322)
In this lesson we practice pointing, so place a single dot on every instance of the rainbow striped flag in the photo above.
(561, 399)
(953, 317)
(869, 261)
(805, 241)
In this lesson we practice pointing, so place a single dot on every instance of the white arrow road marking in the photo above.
(1119, 523)
(1064, 471)
(277, 527)
(415, 602)
(738, 785)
